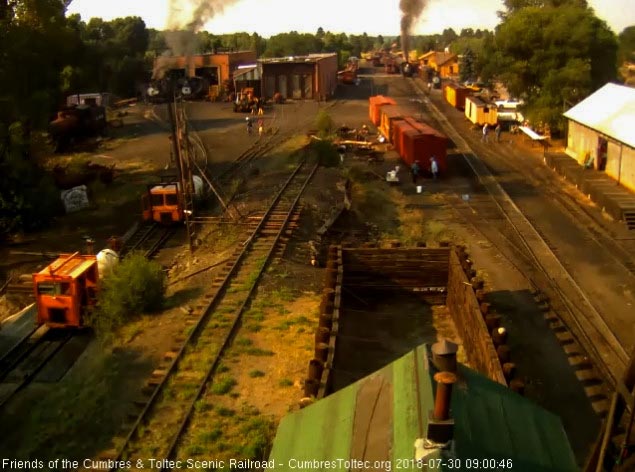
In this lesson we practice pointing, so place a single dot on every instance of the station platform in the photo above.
(15, 328)
(616, 200)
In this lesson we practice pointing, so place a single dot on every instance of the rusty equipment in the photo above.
(65, 290)
(76, 122)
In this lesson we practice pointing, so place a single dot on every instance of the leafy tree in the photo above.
(627, 45)
(468, 66)
(550, 54)
(324, 124)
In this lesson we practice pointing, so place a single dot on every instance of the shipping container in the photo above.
(390, 113)
(422, 146)
(374, 109)
(455, 95)
(480, 112)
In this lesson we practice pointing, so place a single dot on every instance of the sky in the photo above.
(269, 17)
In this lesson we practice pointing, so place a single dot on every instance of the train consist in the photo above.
(480, 111)
(412, 139)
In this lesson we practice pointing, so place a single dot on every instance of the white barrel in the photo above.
(107, 259)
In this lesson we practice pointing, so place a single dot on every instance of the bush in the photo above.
(136, 286)
(324, 124)
(326, 153)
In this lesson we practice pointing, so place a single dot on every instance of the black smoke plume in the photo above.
(410, 12)
(185, 19)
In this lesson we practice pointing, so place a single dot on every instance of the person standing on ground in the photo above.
(497, 130)
(415, 171)
(261, 107)
(434, 167)
(485, 130)
(261, 127)
(250, 126)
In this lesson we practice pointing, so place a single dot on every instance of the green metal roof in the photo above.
(379, 418)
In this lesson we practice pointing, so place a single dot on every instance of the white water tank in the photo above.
(107, 259)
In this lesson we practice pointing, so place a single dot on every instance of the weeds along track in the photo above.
(148, 238)
(172, 392)
(20, 365)
(577, 318)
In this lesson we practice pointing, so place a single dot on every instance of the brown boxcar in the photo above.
(455, 95)
(390, 113)
(374, 109)
(427, 143)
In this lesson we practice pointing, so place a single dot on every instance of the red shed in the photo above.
(427, 143)
(375, 104)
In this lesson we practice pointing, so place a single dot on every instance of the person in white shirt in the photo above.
(434, 167)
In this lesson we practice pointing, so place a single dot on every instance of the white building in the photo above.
(602, 133)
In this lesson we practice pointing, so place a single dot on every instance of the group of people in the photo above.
(415, 169)
(497, 131)
(250, 127)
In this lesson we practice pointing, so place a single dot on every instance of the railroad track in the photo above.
(575, 320)
(148, 238)
(20, 365)
(172, 392)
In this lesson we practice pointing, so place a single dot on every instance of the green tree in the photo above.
(468, 66)
(627, 45)
(550, 54)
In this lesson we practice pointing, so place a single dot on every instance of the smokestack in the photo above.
(444, 381)
(410, 12)
(444, 355)
(440, 429)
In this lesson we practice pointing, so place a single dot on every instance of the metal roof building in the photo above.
(378, 420)
(601, 132)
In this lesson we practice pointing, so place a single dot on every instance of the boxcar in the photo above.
(455, 95)
(390, 113)
(427, 143)
(480, 112)
(374, 109)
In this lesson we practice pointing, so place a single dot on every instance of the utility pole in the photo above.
(183, 168)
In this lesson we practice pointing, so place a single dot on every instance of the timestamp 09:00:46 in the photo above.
(456, 464)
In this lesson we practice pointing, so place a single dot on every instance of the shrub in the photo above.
(135, 286)
(324, 124)
(326, 153)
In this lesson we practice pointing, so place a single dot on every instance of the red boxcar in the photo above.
(400, 127)
(424, 144)
(390, 114)
(374, 109)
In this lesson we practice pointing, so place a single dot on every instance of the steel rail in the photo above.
(200, 324)
(236, 324)
(577, 330)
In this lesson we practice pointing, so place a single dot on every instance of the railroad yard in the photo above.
(216, 370)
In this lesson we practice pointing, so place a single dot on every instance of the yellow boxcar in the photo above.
(455, 95)
(480, 112)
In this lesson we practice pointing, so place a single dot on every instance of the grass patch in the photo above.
(222, 368)
(223, 385)
(225, 412)
(256, 351)
(256, 373)
(285, 383)
(253, 327)
(244, 342)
